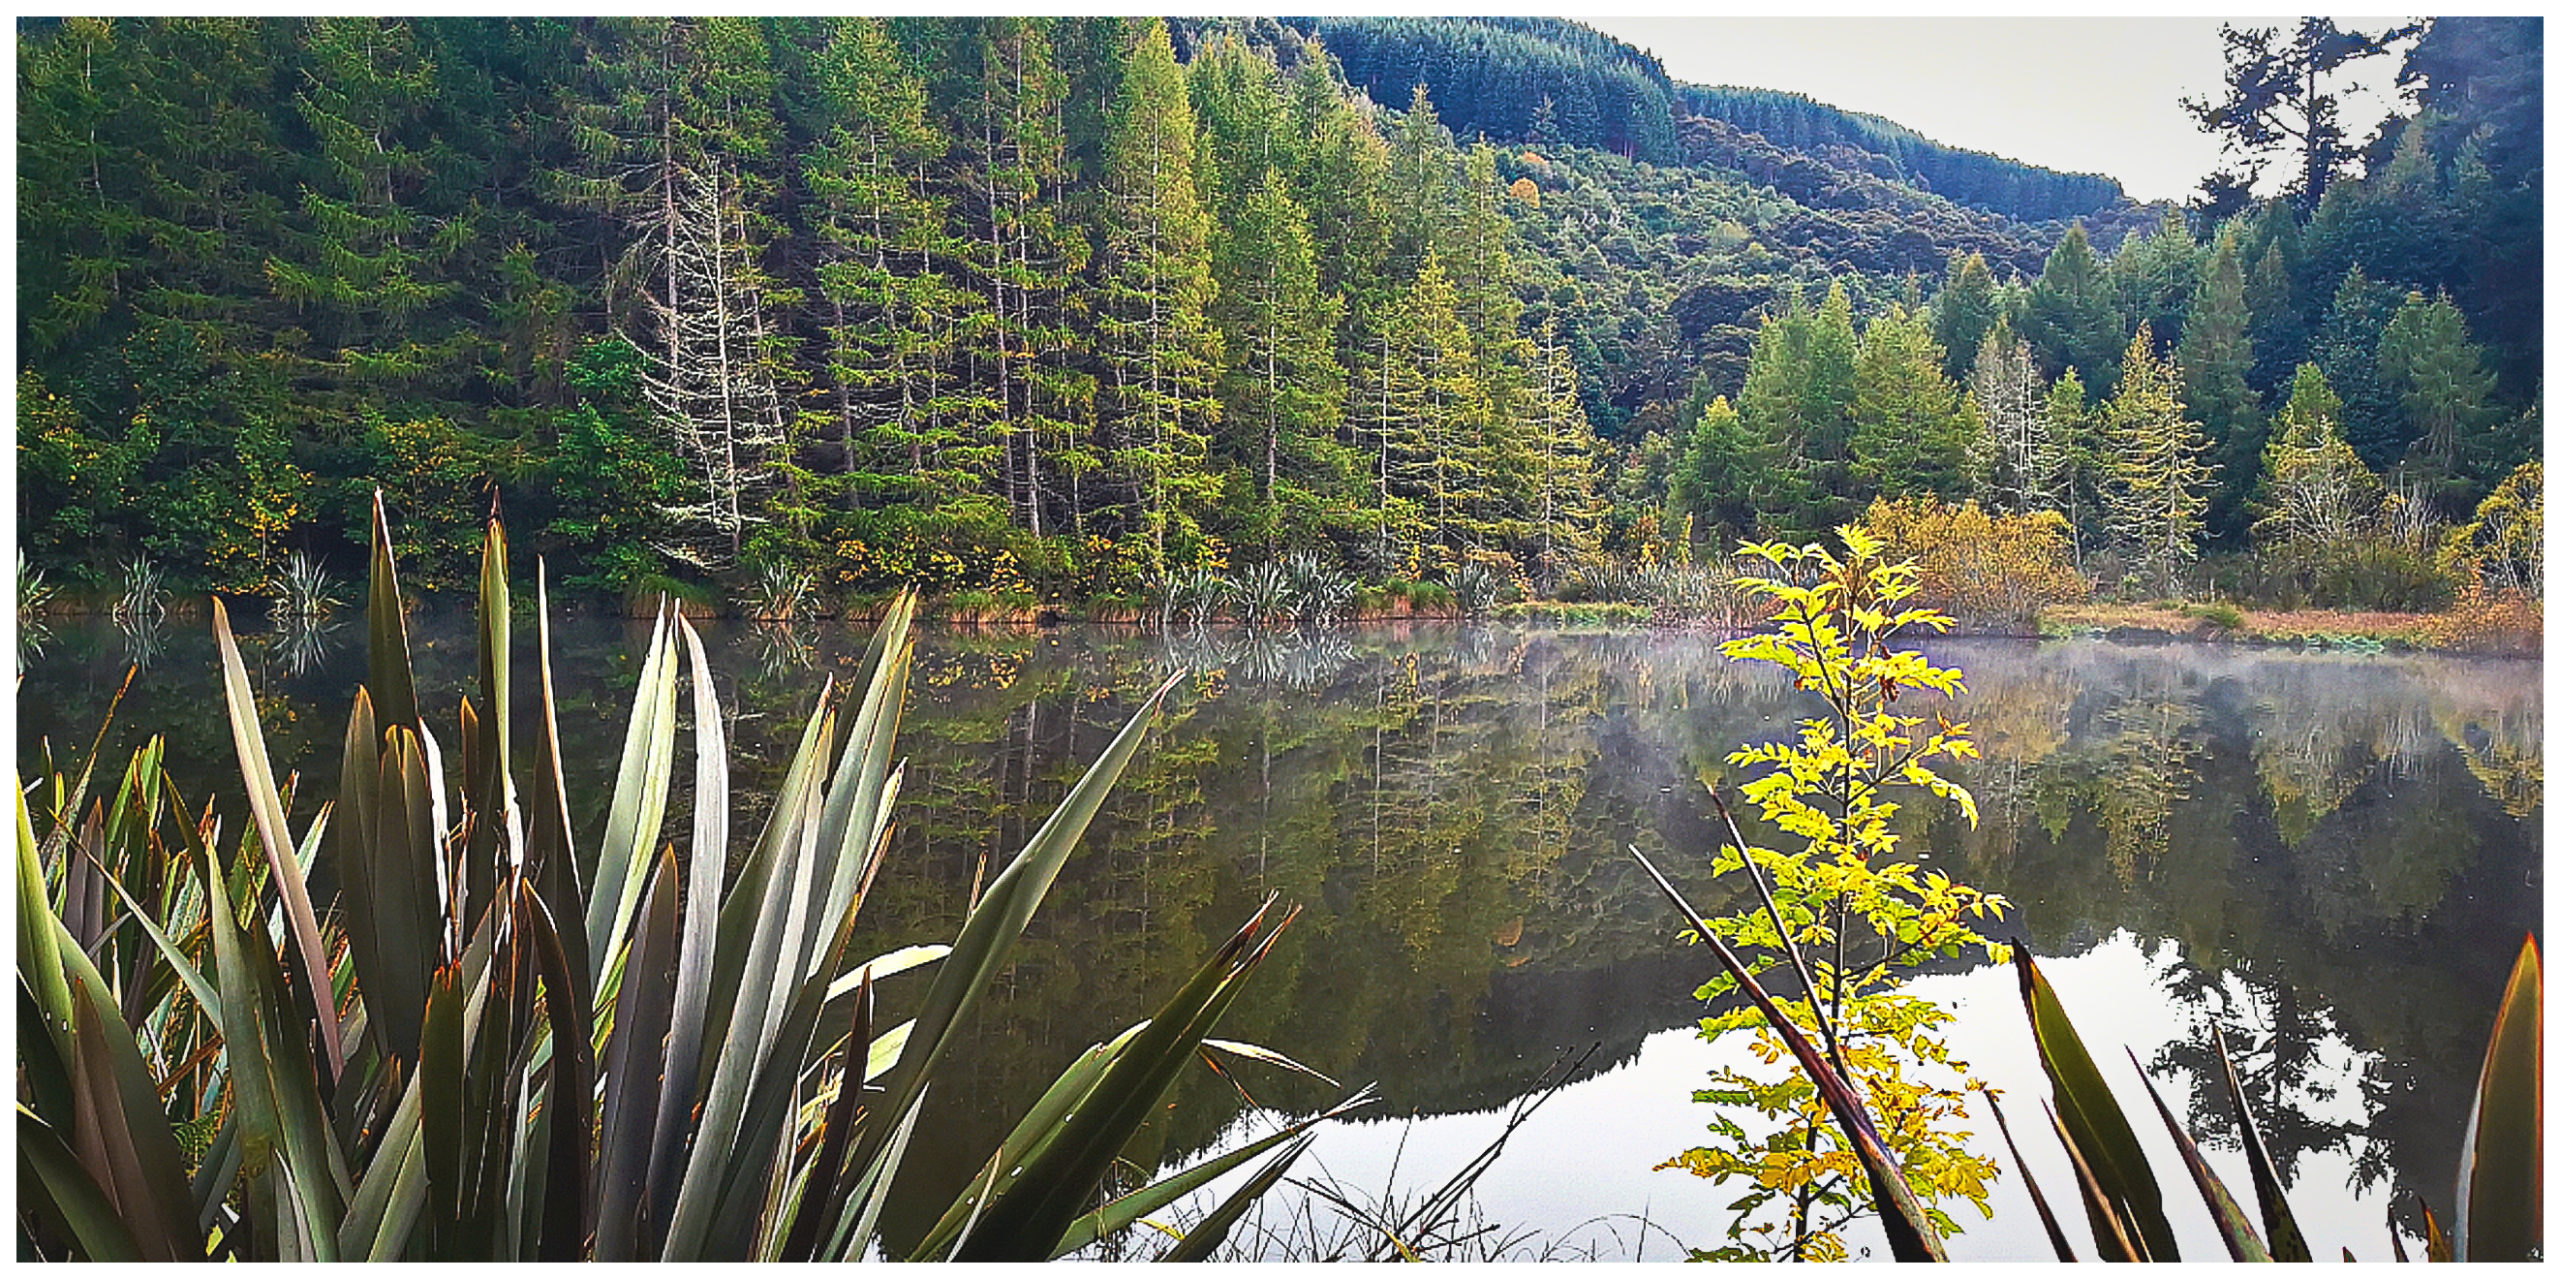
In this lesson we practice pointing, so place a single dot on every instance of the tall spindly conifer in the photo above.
(2214, 359)
(2163, 474)
(1163, 353)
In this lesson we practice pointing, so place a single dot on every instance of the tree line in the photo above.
(2207, 426)
(1541, 81)
(967, 302)
(1991, 182)
(2249, 379)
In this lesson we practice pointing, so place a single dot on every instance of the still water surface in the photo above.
(2334, 857)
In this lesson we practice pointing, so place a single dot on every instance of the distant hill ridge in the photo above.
(1496, 76)
(2027, 192)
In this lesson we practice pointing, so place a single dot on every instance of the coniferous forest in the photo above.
(1058, 310)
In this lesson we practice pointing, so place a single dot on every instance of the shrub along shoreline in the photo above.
(1994, 575)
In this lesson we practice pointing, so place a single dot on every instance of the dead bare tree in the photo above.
(2013, 454)
(710, 380)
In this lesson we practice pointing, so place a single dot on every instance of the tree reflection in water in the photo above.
(2338, 855)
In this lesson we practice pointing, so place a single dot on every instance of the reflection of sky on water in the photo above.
(2333, 854)
(1559, 1169)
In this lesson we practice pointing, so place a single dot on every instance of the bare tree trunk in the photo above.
(1022, 248)
(712, 392)
(1383, 436)
(728, 486)
(996, 299)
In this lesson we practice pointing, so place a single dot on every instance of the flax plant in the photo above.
(502, 1039)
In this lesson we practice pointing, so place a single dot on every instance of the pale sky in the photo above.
(2087, 95)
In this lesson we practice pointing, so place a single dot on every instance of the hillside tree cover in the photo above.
(1058, 307)
(914, 300)
(1966, 177)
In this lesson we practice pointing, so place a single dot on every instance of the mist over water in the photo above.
(2332, 856)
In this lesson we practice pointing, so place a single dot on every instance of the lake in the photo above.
(2333, 856)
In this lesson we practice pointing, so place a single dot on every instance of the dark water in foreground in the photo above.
(2335, 856)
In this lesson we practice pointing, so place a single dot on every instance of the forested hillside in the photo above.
(1057, 309)
(1546, 82)
(1541, 81)
(1798, 123)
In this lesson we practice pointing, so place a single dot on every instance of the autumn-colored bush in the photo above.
(2500, 551)
(2484, 619)
(2501, 548)
(1989, 572)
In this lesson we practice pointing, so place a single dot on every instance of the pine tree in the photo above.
(1542, 126)
(1163, 354)
(1022, 352)
(711, 384)
(1283, 390)
(1488, 303)
(1964, 311)
(727, 90)
(2318, 492)
(1284, 385)
(729, 114)
(1235, 97)
(2161, 472)
(1339, 177)
(672, 99)
(885, 258)
(2428, 359)
(2348, 352)
(371, 266)
(1797, 392)
(2082, 468)
(2156, 275)
(1727, 477)
(1911, 427)
(2276, 335)
(615, 118)
(676, 152)
(1456, 423)
(1566, 508)
(1091, 55)
(2215, 358)
(1831, 384)
(1421, 187)
(1395, 395)
(2014, 457)
(2275, 99)
(1478, 258)
(2072, 317)
(1430, 411)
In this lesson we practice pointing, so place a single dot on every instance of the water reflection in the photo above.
(145, 634)
(304, 641)
(781, 650)
(2334, 857)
